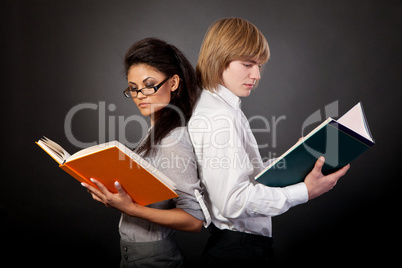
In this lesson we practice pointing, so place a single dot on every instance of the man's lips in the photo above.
(249, 86)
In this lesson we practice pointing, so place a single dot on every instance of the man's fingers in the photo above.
(342, 171)
(338, 174)
(319, 164)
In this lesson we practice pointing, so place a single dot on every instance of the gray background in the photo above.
(58, 54)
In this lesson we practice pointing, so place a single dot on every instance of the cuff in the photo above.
(297, 193)
(207, 216)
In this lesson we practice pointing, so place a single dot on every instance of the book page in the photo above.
(92, 149)
(53, 149)
(355, 120)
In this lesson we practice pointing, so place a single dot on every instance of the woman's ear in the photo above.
(175, 82)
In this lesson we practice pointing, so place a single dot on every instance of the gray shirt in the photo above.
(174, 158)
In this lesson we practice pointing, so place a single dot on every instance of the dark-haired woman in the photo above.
(162, 84)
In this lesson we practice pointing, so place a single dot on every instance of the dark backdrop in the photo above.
(56, 55)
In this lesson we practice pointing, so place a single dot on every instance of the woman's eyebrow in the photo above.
(146, 79)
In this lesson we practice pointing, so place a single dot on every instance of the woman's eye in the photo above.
(149, 85)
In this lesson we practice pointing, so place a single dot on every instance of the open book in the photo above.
(339, 141)
(110, 162)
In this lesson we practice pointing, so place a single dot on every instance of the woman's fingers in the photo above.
(101, 187)
(96, 193)
(119, 188)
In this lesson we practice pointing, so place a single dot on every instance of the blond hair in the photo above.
(225, 41)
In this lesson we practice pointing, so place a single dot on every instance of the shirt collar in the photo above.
(228, 96)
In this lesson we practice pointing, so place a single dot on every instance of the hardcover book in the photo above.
(339, 141)
(110, 162)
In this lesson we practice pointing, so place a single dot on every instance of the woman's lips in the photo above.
(143, 104)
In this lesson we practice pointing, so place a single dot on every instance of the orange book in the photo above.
(110, 162)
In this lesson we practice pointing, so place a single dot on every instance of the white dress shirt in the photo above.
(228, 160)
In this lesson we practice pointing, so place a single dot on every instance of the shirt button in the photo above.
(125, 257)
(125, 249)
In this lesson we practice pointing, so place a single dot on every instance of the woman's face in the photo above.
(241, 75)
(140, 76)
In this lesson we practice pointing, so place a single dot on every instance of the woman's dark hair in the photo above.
(168, 60)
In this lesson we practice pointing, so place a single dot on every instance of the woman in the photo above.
(229, 66)
(162, 84)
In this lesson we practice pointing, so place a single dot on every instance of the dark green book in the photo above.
(339, 141)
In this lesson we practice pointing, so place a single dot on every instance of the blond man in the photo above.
(229, 67)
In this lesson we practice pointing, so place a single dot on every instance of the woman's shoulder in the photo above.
(177, 137)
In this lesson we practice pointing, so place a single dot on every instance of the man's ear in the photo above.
(174, 83)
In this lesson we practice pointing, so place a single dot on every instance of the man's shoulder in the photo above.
(211, 105)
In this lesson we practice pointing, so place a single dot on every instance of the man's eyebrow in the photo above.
(251, 61)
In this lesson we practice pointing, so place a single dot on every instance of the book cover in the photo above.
(339, 141)
(112, 162)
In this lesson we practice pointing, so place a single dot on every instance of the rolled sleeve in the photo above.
(177, 161)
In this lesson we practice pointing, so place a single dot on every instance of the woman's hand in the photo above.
(174, 218)
(120, 201)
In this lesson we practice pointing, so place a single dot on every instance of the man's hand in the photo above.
(318, 184)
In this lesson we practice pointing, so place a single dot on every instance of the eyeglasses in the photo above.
(133, 93)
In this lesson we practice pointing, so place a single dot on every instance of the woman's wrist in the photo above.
(133, 210)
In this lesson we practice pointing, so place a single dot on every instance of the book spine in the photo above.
(76, 175)
(351, 133)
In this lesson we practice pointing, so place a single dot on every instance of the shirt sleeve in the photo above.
(225, 169)
(177, 162)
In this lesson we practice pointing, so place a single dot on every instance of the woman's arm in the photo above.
(174, 218)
